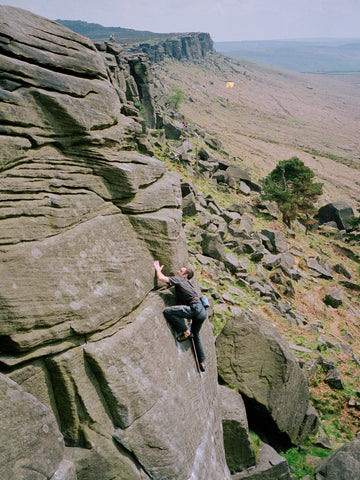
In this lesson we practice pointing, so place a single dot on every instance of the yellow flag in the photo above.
(229, 84)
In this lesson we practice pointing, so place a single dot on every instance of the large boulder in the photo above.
(235, 175)
(339, 212)
(343, 464)
(213, 246)
(319, 267)
(253, 357)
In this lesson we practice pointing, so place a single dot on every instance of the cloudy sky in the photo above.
(223, 19)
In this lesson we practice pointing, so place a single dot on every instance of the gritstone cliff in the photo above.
(88, 362)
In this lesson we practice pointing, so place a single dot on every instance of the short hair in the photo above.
(190, 273)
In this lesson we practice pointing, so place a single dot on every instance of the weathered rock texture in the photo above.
(189, 46)
(270, 466)
(339, 212)
(343, 464)
(31, 443)
(253, 357)
(82, 217)
(239, 449)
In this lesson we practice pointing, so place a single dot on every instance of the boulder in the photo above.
(253, 357)
(31, 443)
(173, 129)
(239, 449)
(350, 285)
(276, 241)
(333, 379)
(213, 143)
(320, 268)
(231, 262)
(246, 224)
(188, 205)
(323, 442)
(340, 268)
(343, 464)
(269, 466)
(285, 261)
(244, 188)
(334, 299)
(339, 212)
(213, 246)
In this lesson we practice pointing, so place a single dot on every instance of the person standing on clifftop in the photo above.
(188, 305)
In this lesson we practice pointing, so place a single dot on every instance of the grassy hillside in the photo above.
(316, 56)
(271, 115)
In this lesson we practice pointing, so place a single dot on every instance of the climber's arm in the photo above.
(158, 269)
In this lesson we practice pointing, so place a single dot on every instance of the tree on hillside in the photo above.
(176, 97)
(291, 186)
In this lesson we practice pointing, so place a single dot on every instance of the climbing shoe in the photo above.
(183, 337)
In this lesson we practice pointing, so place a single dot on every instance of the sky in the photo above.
(224, 20)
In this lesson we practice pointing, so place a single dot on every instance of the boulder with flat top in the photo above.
(339, 212)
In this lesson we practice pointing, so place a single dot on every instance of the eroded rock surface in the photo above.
(82, 218)
(31, 444)
(253, 357)
(342, 464)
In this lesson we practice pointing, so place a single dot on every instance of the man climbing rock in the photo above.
(188, 305)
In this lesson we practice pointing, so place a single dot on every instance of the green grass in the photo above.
(256, 442)
(297, 459)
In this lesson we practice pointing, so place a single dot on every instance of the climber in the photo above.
(188, 305)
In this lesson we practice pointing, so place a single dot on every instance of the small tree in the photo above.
(291, 186)
(176, 97)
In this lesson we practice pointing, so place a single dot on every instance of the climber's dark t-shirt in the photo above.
(184, 290)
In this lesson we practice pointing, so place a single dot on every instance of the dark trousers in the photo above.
(197, 313)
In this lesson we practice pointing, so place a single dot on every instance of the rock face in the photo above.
(239, 449)
(83, 216)
(253, 358)
(189, 46)
(31, 443)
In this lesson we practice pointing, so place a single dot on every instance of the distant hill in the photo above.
(311, 56)
(98, 33)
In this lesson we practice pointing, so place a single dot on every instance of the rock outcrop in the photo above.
(83, 215)
(84, 211)
(189, 46)
(131, 74)
(253, 357)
